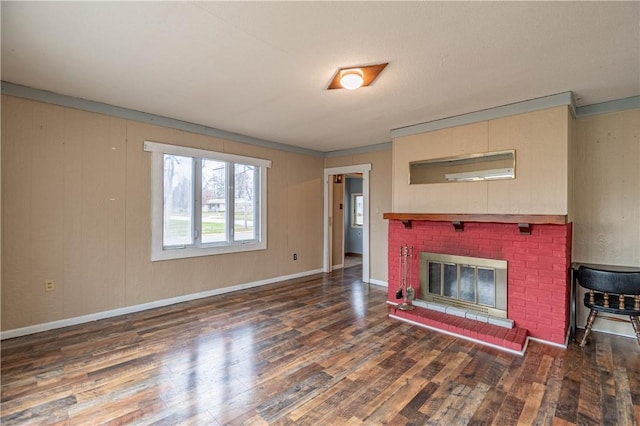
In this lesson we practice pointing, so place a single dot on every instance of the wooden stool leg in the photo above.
(636, 327)
(592, 318)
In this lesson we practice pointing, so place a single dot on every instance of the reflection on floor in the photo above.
(352, 260)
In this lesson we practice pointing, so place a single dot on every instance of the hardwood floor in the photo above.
(316, 351)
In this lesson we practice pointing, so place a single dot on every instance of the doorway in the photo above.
(333, 219)
(353, 219)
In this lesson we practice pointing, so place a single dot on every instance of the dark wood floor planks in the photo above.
(314, 351)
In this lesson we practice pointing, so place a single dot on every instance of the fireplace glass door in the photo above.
(479, 284)
(467, 283)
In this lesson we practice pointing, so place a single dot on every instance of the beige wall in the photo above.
(606, 197)
(541, 140)
(379, 203)
(76, 209)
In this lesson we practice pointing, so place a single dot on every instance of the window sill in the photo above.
(184, 253)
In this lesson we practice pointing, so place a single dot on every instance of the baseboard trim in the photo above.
(32, 329)
(378, 282)
(547, 342)
(615, 333)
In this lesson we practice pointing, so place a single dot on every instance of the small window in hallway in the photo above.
(357, 210)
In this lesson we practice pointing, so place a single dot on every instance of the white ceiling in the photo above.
(261, 68)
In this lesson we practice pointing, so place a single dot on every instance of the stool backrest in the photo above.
(609, 281)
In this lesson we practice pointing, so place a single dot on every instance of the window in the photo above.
(357, 210)
(205, 202)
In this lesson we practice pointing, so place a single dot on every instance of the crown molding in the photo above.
(385, 146)
(566, 98)
(545, 102)
(616, 105)
(25, 92)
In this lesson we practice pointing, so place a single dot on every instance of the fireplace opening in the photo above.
(470, 283)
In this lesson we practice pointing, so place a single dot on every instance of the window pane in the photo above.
(178, 200)
(244, 202)
(358, 210)
(214, 201)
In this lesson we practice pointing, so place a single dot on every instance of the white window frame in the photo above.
(158, 251)
(354, 197)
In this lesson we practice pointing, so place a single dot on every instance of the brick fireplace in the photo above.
(538, 254)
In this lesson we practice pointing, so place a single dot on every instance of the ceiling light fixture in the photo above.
(351, 78)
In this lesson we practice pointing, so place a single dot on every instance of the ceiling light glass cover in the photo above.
(351, 79)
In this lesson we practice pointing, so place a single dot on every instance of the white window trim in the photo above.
(158, 252)
(354, 195)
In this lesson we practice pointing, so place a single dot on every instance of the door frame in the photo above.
(364, 169)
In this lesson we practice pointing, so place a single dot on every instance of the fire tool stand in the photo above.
(406, 291)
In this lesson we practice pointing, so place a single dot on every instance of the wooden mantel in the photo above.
(524, 221)
(497, 218)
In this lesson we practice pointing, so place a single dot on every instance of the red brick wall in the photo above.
(538, 285)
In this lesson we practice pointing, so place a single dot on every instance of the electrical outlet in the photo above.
(49, 285)
(295, 256)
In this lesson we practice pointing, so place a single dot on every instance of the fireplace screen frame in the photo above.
(499, 268)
